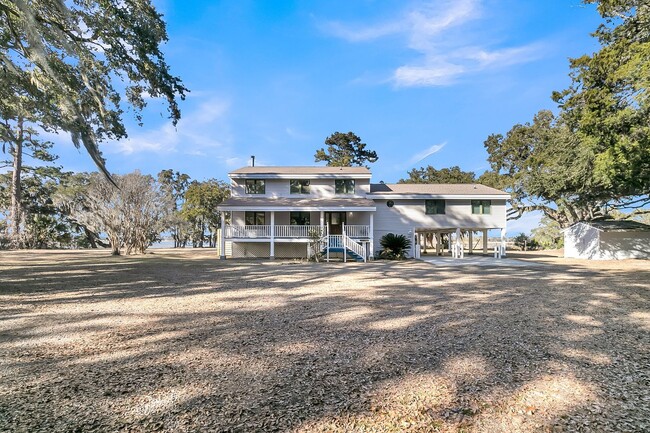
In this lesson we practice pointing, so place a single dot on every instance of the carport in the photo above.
(457, 240)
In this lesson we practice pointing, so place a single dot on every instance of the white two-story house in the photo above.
(278, 211)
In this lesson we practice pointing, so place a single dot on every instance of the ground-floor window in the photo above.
(255, 219)
(299, 218)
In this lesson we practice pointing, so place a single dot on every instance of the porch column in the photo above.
(322, 218)
(438, 242)
(458, 244)
(471, 242)
(371, 230)
(485, 241)
(272, 255)
(503, 242)
(222, 240)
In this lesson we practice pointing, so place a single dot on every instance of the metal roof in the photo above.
(434, 189)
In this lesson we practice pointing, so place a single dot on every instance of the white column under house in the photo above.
(272, 252)
(372, 236)
(222, 240)
(471, 242)
(485, 241)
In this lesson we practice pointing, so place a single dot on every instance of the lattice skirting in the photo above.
(262, 250)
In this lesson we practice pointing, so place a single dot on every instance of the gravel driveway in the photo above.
(181, 342)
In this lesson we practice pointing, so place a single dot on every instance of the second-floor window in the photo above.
(299, 218)
(481, 207)
(344, 186)
(299, 186)
(255, 219)
(434, 207)
(255, 186)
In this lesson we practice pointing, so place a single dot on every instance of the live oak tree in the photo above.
(345, 150)
(131, 216)
(20, 142)
(594, 155)
(200, 210)
(430, 174)
(548, 234)
(608, 104)
(175, 185)
(42, 225)
(79, 63)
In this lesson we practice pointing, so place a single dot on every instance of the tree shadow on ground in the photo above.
(177, 344)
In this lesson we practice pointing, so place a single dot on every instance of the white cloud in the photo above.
(420, 156)
(296, 134)
(199, 131)
(434, 74)
(438, 31)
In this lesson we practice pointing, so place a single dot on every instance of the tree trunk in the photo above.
(16, 187)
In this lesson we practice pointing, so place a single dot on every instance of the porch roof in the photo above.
(297, 204)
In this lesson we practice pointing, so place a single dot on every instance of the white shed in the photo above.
(607, 240)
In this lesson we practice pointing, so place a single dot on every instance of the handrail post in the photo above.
(327, 238)
(345, 249)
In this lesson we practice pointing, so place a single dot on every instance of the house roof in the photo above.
(301, 171)
(281, 203)
(618, 225)
(434, 189)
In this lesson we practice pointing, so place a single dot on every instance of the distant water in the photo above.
(166, 244)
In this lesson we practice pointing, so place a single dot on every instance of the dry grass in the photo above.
(178, 341)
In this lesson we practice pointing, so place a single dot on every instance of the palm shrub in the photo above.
(394, 247)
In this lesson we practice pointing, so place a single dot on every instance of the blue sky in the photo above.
(421, 82)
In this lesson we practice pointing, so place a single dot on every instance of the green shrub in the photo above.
(394, 247)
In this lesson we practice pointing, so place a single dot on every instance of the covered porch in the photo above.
(271, 221)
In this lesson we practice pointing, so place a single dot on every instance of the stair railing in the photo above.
(352, 245)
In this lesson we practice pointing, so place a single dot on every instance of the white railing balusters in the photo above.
(357, 231)
(281, 231)
(355, 247)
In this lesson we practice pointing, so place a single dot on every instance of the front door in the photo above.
(335, 221)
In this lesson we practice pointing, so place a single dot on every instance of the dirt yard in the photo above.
(181, 342)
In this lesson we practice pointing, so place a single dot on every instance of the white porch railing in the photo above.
(284, 231)
(281, 231)
(357, 231)
(248, 231)
(335, 241)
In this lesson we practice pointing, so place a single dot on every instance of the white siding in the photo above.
(624, 245)
(407, 215)
(318, 188)
(581, 241)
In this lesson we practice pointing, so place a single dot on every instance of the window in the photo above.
(299, 186)
(299, 218)
(255, 186)
(481, 206)
(255, 219)
(434, 207)
(344, 186)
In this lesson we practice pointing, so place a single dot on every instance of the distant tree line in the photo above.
(86, 210)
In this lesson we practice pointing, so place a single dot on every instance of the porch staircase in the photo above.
(343, 244)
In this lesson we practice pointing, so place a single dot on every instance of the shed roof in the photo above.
(434, 189)
(618, 225)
